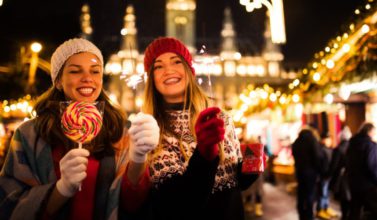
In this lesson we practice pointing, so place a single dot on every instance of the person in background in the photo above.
(44, 170)
(361, 165)
(324, 211)
(196, 168)
(339, 182)
(308, 156)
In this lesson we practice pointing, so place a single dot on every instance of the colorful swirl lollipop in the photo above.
(81, 122)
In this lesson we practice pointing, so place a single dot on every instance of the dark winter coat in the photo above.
(308, 154)
(339, 181)
(361, 163)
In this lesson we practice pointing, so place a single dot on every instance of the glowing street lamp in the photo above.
(35, 49)
(276, 12)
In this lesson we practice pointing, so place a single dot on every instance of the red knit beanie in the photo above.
(166, 44)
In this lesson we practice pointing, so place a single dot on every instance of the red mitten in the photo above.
(209, 131)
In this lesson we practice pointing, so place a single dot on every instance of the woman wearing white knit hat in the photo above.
(43, 170)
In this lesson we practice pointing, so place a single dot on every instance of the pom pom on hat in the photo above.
(166, 44)
(69, 48)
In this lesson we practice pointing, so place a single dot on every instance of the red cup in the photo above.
(253, 157)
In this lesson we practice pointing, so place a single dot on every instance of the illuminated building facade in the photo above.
(229, 72)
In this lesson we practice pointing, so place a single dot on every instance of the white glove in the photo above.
(144, 134)
(73, 171)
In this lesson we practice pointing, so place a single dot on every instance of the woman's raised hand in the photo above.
(144, 134)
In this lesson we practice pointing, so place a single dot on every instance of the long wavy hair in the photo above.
(48, 125)
(195, 100)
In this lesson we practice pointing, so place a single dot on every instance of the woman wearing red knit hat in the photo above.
(195, 169)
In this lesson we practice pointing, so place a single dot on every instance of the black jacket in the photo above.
(361, 163)
(307, 152)
(186, 197)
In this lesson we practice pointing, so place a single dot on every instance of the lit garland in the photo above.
(257, 99)
(349, 57)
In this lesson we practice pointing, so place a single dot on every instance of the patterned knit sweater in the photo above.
(170, 161)
(195, 189)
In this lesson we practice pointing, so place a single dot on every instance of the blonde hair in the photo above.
(195, 100)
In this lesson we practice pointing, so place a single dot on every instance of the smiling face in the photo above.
(81, 79)
(170, 77)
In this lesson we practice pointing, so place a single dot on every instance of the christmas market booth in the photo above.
(12, 114)
(338, 87)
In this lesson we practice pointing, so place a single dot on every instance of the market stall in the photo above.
(12, 114)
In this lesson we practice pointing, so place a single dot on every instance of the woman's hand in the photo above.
(209, 131)
(73, 171)
(144, 134)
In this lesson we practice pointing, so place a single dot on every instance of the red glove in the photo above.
(209, 131)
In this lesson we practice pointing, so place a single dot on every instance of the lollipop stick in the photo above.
(80, 146)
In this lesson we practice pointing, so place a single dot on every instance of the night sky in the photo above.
(310, 24)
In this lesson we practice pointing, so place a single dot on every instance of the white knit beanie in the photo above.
(69, 48)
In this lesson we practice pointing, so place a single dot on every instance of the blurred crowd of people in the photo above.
(344, 172)
(348, 170)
